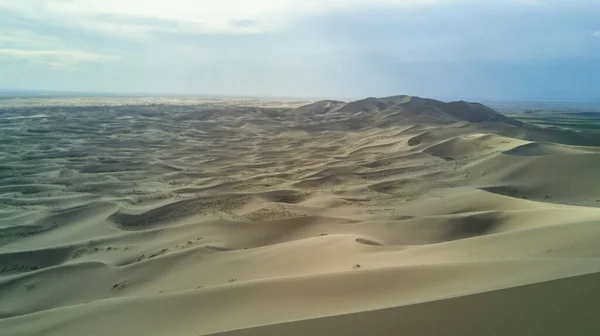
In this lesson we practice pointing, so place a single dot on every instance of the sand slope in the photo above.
(385, 216)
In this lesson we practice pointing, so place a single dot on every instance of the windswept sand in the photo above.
(385, 216)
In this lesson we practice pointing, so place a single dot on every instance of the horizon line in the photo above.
(134, 94)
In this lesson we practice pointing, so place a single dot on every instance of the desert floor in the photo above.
(390, 216)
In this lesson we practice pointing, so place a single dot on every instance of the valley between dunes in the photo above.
(384, 216)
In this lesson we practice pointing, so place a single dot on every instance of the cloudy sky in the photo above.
(447, 49)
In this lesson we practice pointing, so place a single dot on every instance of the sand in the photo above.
(385, 216)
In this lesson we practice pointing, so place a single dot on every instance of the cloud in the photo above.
(56, 58)
(533, 3)
(190, 16)
(53, 51)
(597, 34)
(71, 54)
(143, 18)
(25, 38)
(243, 23)
(292, 47)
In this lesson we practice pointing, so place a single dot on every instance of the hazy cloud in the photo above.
(25, 38)
(324, 48)
(56, 58)
(214, 16)
(243, 23)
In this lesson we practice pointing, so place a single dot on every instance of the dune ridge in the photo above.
(391, 215)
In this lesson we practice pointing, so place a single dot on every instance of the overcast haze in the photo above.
(447, 49)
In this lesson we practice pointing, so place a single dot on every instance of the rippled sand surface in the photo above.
(397, 215)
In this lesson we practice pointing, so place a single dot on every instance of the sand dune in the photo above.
(384, 216)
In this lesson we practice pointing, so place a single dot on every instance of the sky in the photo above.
(445, 49)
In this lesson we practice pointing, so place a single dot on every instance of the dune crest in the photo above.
(392, 215)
